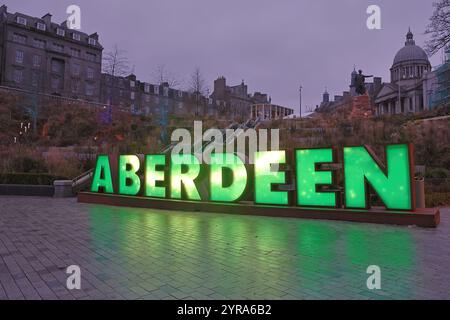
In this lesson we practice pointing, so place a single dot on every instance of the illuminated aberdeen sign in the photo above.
(301, 183)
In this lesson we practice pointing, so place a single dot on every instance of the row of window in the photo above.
(59, 31)
(55, 82)
(409, 72)
(56, 67)
(41, 44)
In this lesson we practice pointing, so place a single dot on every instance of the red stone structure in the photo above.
(362, 107)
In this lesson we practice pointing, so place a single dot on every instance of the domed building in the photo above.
(404, 94)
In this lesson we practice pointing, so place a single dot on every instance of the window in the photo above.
(19, 38)
(19, 56)
(75, 52)
(132, 83)
(166, 91)
(41, 26)
(38, 43)
(58, 47)
(147, 98)
(146, 88)
(180, 94)
(156, 89)
(92, 41)
(34, 79)
(76, 36)
(75, 86)
(132, 95)
(76, 69)
(56, 66)
(89, 89)
(90, 73)
(55, 83)
(60, 32)
(90, 56)
(37, 60)
(18, 76)
(21, 20)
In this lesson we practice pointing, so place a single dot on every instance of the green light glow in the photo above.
(178, 178)
(393, 188)
(97, 181)
(129, 182)
(152, 175)
(239, 181)
(308, 177)
(265, 177)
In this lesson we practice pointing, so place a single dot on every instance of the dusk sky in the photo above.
(273, 45)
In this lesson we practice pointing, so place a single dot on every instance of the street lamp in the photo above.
(300, 91)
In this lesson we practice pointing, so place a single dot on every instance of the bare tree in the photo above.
(161, 75)
(197, 83)
(439, 27)
(115, 63)
(197, 87)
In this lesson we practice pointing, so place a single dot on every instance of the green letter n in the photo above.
(393, 187)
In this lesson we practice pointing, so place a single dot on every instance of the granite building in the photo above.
(235, 101)
(139, 97)
(41, 56)
(404, 93)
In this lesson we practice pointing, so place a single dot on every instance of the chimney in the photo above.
(3, 11)
(94, 36)
(47, 20)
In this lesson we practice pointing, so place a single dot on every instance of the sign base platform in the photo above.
(428, 218)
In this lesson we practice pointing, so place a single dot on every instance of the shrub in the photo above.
(29, 178)
(437, 199)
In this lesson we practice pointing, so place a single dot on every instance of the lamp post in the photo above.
(300, 91)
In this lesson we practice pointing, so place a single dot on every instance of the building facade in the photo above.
(268, 111)
(43, 57)
(142, 98)
(404, 93)
(39, 55)
(236, 102)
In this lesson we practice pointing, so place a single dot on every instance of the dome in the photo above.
(410, 52)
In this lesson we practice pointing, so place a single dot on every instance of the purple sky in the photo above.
(273, 45)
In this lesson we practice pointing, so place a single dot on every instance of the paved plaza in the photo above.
(127, 253)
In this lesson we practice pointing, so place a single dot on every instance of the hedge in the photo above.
(29, 178)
